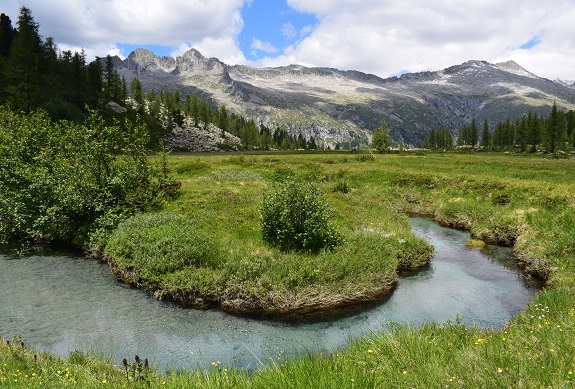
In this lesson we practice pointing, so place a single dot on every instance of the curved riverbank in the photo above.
(268, 283)
(108, 318)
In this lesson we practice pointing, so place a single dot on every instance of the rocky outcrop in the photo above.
(191, 138)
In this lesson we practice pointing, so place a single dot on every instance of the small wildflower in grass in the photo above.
(370, 351)
(499, 370)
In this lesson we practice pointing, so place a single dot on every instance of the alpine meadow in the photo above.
(283, 195)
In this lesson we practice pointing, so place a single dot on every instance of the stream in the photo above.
(61, 303)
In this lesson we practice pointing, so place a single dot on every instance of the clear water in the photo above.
(60, 304)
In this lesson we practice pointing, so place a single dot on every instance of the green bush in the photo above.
(58, 179)
(500, 197)
(296, 217)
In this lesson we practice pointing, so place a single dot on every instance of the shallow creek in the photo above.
(60, 303)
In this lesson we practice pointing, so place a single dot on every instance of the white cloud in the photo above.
(289, 31)
(263, 46)
(100, 23)
(385, 37)
(382, 37)
(306, 30)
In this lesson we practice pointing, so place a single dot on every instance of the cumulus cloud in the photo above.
(101, 23)
(373, 36)
(385, 37)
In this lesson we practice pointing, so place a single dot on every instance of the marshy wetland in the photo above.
(524, 202)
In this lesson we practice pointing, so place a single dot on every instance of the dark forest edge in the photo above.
(531, 133)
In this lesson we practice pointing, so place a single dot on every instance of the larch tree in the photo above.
(381, 140)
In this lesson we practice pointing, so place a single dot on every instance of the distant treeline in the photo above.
(35, 74)
(531, 133)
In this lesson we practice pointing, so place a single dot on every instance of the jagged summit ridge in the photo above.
(345, 106)
(143, 60)
(515, 68)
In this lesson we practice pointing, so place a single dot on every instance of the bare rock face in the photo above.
(190, 138)
(344, 107)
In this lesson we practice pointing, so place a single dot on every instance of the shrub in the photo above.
(58, 179)
(500, 197)
(341, 186)
(296, 217)
(193, 167)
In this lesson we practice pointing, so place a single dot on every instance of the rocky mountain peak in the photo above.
(515, 68)
(193, 55)
(192, 61)
(143, 60)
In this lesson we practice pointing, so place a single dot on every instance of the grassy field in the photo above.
(206, 248)
(524, 201)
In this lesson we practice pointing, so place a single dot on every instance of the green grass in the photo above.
(527, 202)
(206, 248)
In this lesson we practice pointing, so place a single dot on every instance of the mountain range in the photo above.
(344, 106)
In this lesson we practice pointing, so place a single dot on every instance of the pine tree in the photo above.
(555, 130)
(533, 131)
(137, 93)
(223, 119)
(7, 34)
(95, 84)
(432, 139)
(25, 64)
(78, 79)
(109, 79)
(570, 118)
(473, 133)
(6, 37)
(485, 135)
(522, 129)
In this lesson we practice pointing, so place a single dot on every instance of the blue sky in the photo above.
(270, 26)
(380, 37)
